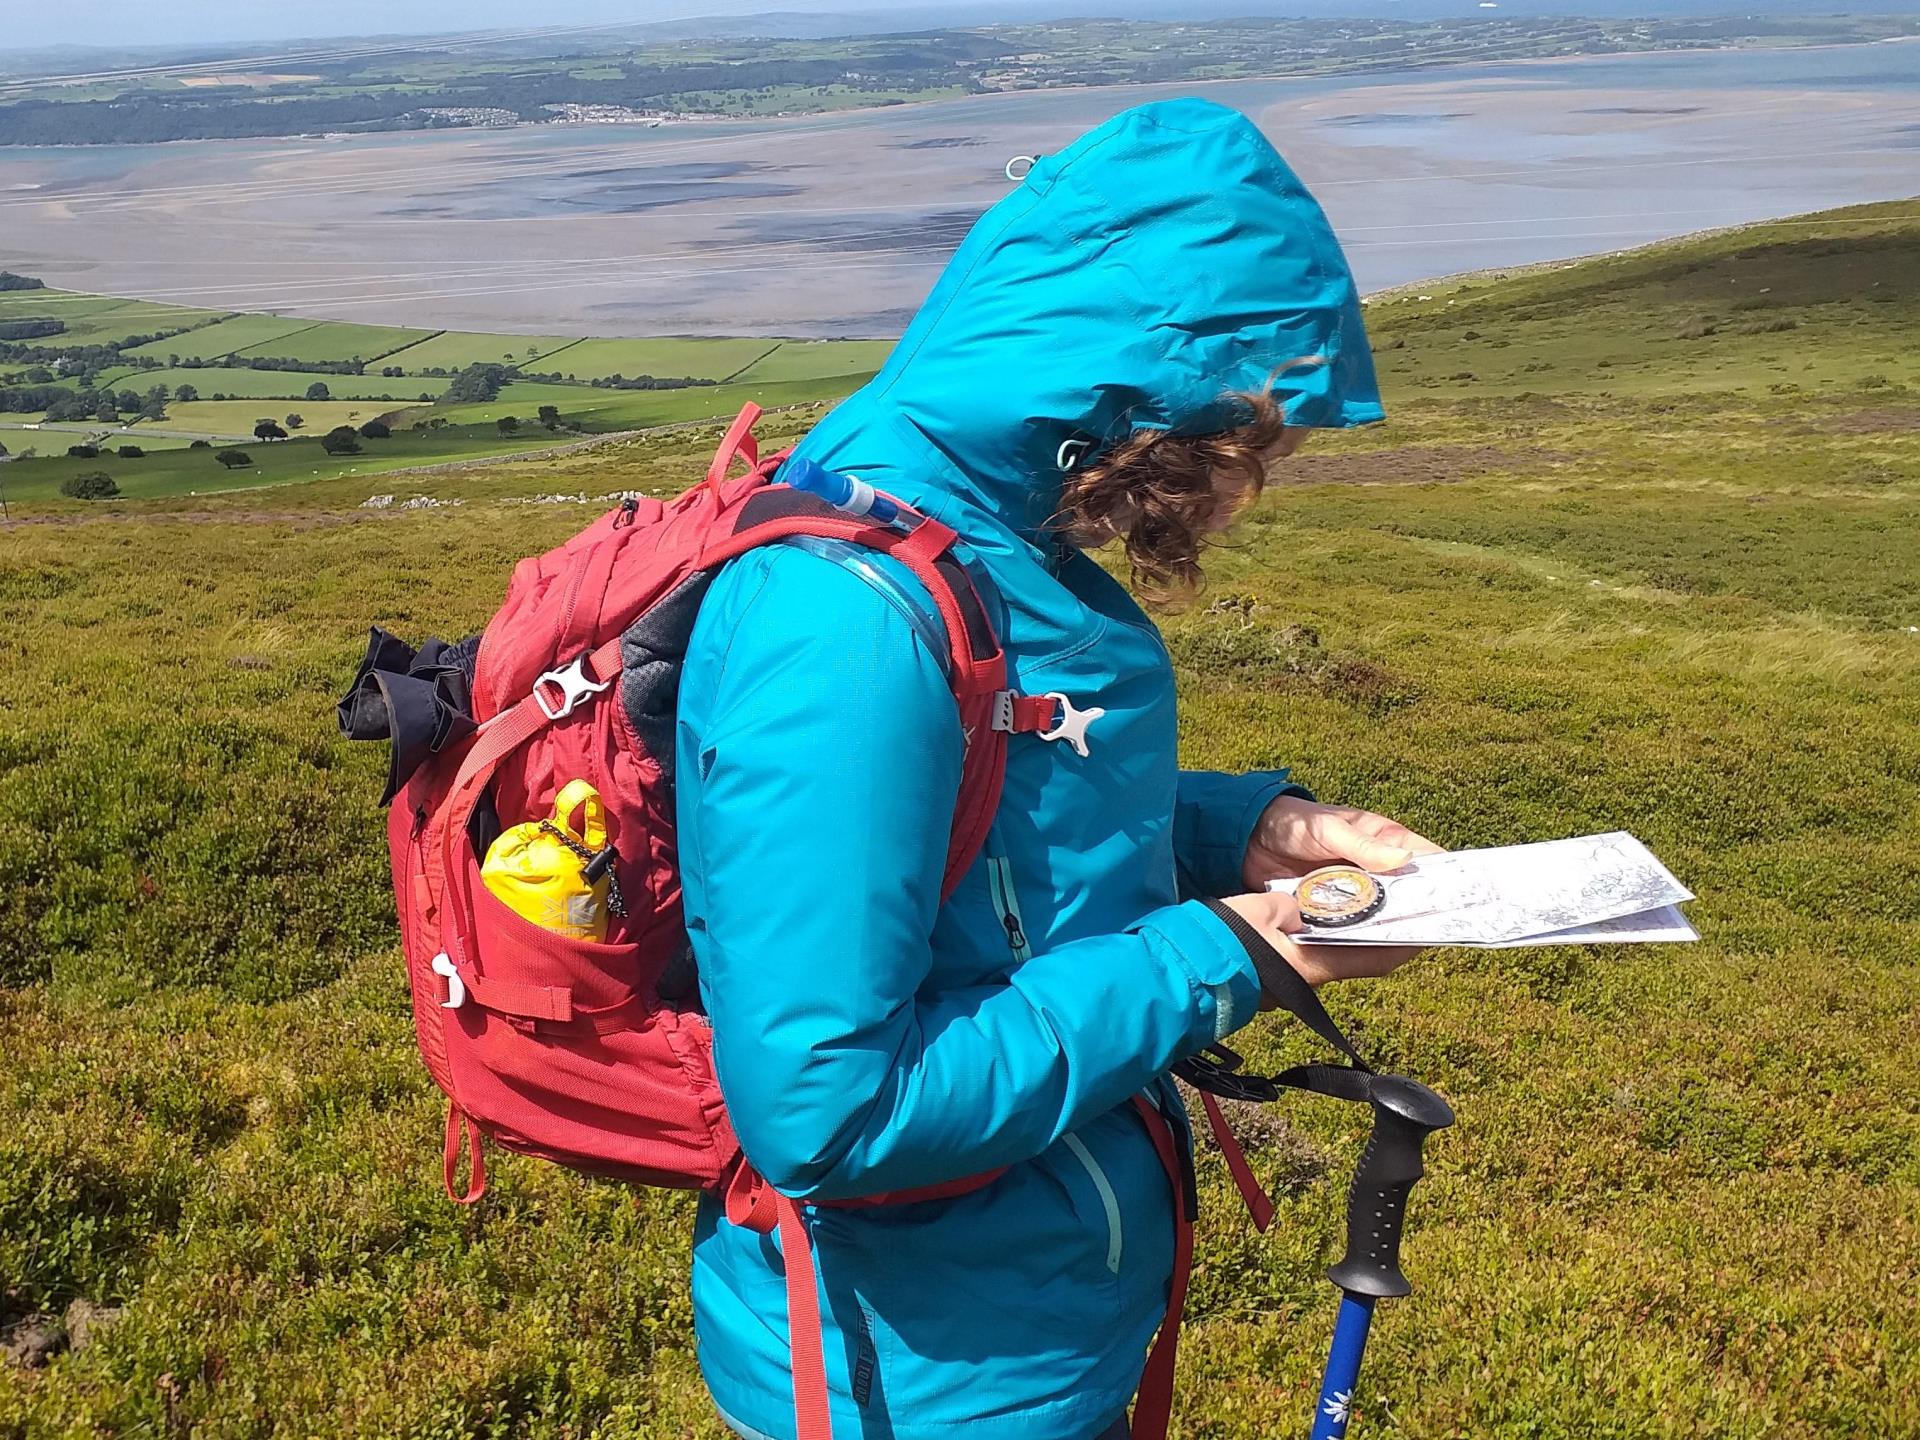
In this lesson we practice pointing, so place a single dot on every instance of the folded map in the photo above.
(1590, 890)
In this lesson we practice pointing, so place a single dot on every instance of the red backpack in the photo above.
(595, 1054)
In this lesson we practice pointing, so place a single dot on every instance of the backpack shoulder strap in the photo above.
(975, 663)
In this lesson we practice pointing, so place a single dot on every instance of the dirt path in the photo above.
(1408, 465)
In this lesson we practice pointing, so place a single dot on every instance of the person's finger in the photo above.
(1350, 843)
(1391, 831)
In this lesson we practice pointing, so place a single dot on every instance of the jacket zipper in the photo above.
(1006, 904)
(1108, 1200)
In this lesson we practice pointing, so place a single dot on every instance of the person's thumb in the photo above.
(1271, 911)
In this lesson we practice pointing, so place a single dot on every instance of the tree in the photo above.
(341, 440)
(201, 445)
(268, 430)
(296, 420)
(128, 400)
(377, 429)
(550, 416)
(84, 452)
(477, 385)
(508, 424)
(130, 452)
(186, 394)
(104, 411)
(319, 391)
(233, 459)
(93, 485)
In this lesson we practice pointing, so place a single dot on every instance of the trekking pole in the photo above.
(1405, 1112)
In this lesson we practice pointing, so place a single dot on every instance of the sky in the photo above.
(171, 22)
(123, 23)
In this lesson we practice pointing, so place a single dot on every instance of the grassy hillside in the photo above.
(1684, 1194)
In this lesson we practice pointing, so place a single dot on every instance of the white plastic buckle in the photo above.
(573, 685)
(1073, 723)
(456, 987)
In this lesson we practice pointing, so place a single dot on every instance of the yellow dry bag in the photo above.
(558, 877)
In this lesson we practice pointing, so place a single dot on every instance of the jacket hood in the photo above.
(1134, 280)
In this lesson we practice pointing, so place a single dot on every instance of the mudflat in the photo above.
(836, 225)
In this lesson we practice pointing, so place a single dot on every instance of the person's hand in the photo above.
(1294, 836)
(1277, 920)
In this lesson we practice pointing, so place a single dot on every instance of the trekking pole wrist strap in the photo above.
(1405, 1112)
(1279, 979)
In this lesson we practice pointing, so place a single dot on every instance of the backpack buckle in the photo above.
(572, 683)
(444, 967)
(1051, 716)
(1073, 723)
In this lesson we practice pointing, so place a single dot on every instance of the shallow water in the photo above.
(837, 224)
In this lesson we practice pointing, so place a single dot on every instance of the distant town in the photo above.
(468, 84)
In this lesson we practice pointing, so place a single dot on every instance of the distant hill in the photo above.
(1799, 308)
(789, 63)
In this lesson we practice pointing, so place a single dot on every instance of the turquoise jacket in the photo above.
(870, 1038)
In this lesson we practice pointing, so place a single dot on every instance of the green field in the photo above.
(97, 319)
(456, 349)
(603, 410)
(238, 417)
(53, 440)
(183, 471)
(1683, 1195)
(818, 359)
(330, 340)
(671, 357)
(228, 337)
(277, 384)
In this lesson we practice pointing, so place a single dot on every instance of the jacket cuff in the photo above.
(1214, 817)
(1226, 985)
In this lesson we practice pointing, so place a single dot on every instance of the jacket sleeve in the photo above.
(1213, 820)
(814, 831)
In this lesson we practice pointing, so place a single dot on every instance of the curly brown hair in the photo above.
(1161, 493)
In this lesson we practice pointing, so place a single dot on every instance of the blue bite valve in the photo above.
(846, 493)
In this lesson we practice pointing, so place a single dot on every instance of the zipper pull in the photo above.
(602, 864)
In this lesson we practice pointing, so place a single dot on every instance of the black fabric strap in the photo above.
(1280, 980)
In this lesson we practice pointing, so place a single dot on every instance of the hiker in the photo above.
(1118, 352)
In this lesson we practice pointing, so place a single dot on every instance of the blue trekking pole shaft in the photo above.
(846, 493)
(1405, 1112)
(1342, 1375)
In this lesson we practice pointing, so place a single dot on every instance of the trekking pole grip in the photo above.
(1405, 1112)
